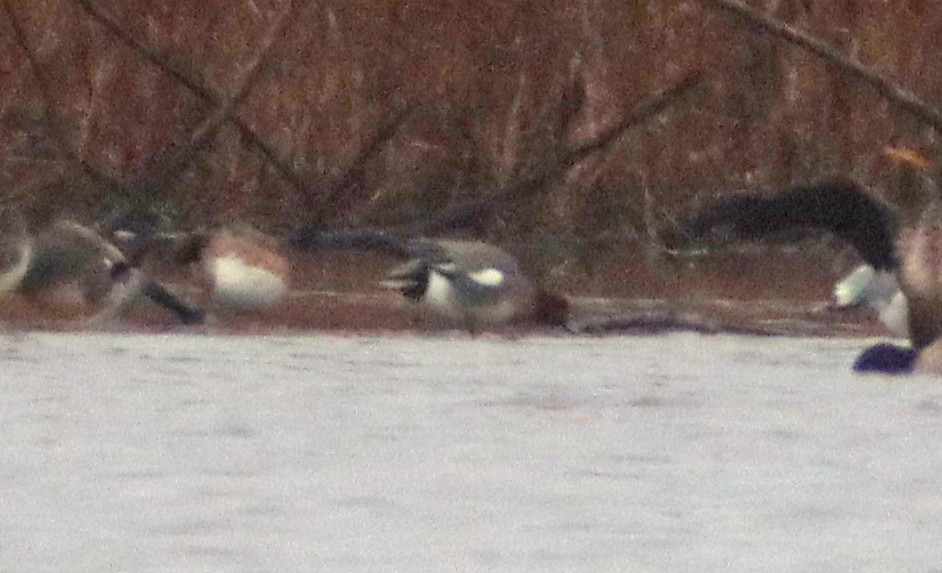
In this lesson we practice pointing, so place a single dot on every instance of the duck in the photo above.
(841, 207)
(67, 254)
(902, 275)
(242, 269)
(920, 276)
(471, 283)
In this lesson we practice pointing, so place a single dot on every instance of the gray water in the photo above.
(409, 453)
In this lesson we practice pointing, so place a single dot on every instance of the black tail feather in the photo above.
(163, 297)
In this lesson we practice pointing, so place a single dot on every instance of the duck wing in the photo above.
(65, 251)
(842, 208)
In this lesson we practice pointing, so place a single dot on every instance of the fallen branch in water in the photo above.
(662, 322)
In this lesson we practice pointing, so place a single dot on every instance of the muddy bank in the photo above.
(781, 293)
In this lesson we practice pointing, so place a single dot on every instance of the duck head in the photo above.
(190, 248)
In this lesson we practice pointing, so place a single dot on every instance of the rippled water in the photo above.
(408, 453)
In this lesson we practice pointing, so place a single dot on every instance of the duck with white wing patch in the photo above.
(469, 282)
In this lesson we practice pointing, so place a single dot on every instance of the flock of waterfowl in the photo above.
(242, 270)
(476, 285)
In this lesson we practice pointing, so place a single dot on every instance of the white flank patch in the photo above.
(241, 286)
(878, 290)
(866, 286)
(440, 295)
(487, 277)
(895, 315)
(12, 277)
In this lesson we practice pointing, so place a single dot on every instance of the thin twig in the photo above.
(646, 110)
(271, 154)
(56, 128)
(338, 193)
(161, 171)
(163, 168)
(169, 163)
(463, 214)
(892, 92)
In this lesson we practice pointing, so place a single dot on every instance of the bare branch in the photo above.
(892, 92)
(45, 92)
(464, 214)
(272, 155)
(338, 194)
(170, 162)
(646, 110)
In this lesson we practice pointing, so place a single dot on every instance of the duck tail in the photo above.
(159, 294)
(410, 279)
(551, 309)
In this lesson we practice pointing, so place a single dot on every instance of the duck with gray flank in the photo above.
(471, 283)
(67, 253)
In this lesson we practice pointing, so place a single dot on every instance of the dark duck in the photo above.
(903, 254)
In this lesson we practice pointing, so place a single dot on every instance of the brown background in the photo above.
(484, 76)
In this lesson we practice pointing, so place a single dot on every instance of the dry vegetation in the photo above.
(512, 121)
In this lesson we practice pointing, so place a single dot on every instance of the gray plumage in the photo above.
(68, 253)
(474, 283)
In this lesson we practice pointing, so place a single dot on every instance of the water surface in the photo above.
(412, 453)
